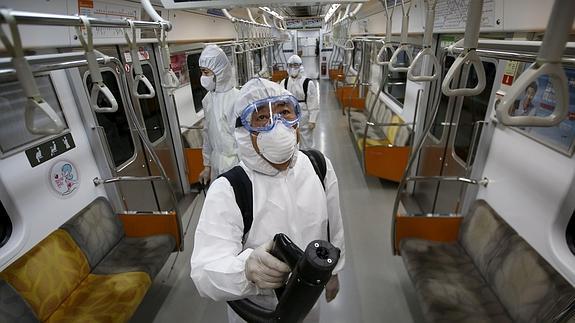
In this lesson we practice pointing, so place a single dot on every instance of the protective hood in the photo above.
(295, 72)
(255, 89)
(216, 60)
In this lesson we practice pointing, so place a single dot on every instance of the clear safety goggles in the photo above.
(261, 115)
(293, 65)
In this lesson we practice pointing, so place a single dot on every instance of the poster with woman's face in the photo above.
(539, 100)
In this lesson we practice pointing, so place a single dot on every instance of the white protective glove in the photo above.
(265, 270)
(331, 288)
(205, 175)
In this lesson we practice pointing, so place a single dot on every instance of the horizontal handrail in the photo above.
(483, 182)
(46, 19)
(98, 181)
(389, 124)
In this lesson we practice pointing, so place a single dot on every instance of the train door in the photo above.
(125, 152)
(152, 112)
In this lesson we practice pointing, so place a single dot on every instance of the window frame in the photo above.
(130, 160)
(43, 138)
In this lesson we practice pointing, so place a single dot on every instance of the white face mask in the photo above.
(279, 144)
(208, 82)
(294, 71)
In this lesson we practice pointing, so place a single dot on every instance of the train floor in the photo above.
(374, 286)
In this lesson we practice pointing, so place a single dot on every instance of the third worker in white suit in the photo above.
(219, 149)
(296, 83)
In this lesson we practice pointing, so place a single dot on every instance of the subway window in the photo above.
(570, 233)
(396, 81)
(473, 111)
(151, 110)
(116, 126)
(14, 136)
(5, 226)
(198, 91)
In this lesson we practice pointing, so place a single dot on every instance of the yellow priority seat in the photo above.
(86, 271)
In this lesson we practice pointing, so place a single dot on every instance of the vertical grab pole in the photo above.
(548, 63)
(34, 101)
(426, 51)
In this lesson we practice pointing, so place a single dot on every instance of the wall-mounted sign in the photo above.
(305, 23)
(50, 149)
(64, 178)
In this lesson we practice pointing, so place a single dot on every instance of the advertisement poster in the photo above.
(539, 100)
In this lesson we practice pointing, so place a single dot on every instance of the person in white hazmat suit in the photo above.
(219, 148)
(288, 197)
(309, 101)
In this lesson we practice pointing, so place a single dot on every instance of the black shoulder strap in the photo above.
(285, 82)
(305, 85)
(319, 165)
(318, 161)
(242, 186)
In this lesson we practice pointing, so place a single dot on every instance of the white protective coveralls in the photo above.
(292, 201)
(310, 109)
(219, 148)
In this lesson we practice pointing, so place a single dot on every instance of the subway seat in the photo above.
(85, 271)
(489, 275)
(383, 147)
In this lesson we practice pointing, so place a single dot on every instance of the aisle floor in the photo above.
(374, 286)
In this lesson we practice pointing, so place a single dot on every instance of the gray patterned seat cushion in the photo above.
(13, 308)
(147, 254)
(96, 229)
(448, 284)
(490, 274)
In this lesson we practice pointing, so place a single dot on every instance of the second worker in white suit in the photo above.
(219, 148)
(305, 90)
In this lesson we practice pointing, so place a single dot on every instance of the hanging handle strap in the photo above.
(426, 51)
(383, 50)
(98, 86)
(169, 78)
(139, 76)
(34, 102)
(548, 63)
(404, 46)
(348, 46)
(468, 56)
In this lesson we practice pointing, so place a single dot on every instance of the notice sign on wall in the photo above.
(109, 10)
(50, 149)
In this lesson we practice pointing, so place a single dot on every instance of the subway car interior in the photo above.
(437, 116)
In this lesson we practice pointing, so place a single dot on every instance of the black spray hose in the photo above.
(311, 270)
(415, 152)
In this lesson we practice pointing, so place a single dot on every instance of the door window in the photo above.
(151, 110)
(116, 126)
(473, 110)
(198, 91)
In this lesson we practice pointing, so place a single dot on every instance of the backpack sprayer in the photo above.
(311, 270)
